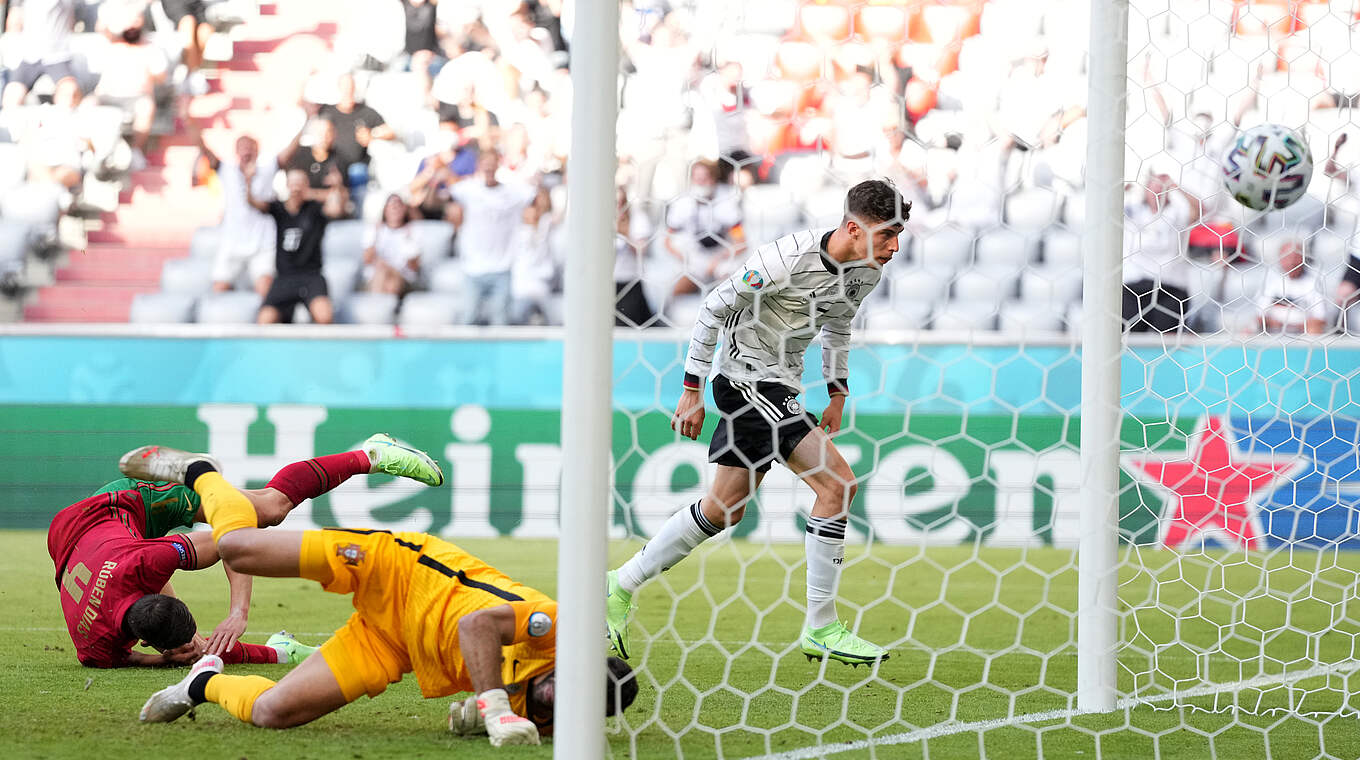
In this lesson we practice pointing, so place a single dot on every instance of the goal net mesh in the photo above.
(1237, 581)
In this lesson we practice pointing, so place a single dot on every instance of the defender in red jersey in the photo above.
(113, 559)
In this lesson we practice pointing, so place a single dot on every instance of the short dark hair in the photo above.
(620, 687)
(876, 201)
(162, 621)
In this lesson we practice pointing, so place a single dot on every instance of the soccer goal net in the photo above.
(1235, 620)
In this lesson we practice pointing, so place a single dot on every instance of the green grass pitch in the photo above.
(984, 637)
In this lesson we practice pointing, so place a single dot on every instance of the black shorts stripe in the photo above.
(444, 569)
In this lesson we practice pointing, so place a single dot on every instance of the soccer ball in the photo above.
(1268, 167)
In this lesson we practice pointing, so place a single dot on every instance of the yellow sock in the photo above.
(225, 507)
(237, 694)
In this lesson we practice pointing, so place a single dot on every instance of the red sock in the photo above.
(300, 481)
(255, 654)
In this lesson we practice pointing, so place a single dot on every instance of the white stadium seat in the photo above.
(370, 309)
(986, 285)
(191, 276)
(965, 315)
(205, 243)
(430, 309)
(1034, 208)
(946, 248)
(344, 239)
(1007, 249)
(1021, 317)
(1062, 248)
(914, 285)
(162, 308)
(1050, 286)
(233, 308)
(342, 277)
(448, 277)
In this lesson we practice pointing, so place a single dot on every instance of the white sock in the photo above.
(825, 544)
(685, 530)
(283, 654)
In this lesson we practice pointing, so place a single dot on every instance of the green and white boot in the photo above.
(836, 641)
(618, 607)
(393, 458)
(294, 651)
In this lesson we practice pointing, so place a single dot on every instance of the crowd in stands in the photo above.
(437, 132)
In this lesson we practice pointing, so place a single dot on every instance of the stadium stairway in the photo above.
(157, 215)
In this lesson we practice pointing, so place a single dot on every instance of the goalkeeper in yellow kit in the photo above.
(421, 605)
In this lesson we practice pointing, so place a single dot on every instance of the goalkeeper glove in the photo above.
(465, 719)
(502, 724)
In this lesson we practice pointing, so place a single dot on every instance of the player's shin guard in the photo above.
(237, 694)
(825, 544)
(309, 479)
(225, 507)
(681, 534)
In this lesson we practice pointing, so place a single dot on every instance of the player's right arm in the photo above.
(481, 635)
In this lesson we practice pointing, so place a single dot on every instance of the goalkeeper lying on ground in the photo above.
(421, 605)
(114, 561)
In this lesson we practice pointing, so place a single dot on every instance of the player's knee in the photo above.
(839, 489)
(267, 712)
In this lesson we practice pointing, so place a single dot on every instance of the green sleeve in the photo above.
(167, 505)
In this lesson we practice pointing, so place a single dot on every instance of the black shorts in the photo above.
(760, 421)
(176, 10)
(289, 290)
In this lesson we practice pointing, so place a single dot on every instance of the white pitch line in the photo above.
(951, 729)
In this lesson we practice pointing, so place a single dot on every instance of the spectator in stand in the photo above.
(535, 268)
(1293, 300)
(856, 123)
(726, 103)
(58, 142)
(486, 212)
(356, 126)
(318, 161)
(432, 188)
(422, 53)
(392, 251)
(191, 23)
(703, 230)
(43, 28)
(132, 69)
(247, 239)
(631, 308)
(1156, 270)
(299, 223)
(476, 125)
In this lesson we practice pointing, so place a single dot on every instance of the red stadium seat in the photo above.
(1273, 17)
(799, 61)
(825, 24)
(887, 23)
(921, 96)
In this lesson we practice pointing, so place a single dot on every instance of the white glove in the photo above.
(502, 724)
(465, 719)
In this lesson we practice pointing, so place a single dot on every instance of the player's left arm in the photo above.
(836, 369)
(481, 635)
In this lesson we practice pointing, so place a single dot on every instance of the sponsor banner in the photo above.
(1001, 480)
(1300, 379)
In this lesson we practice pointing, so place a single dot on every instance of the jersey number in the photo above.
(292, 239)
(74, 580)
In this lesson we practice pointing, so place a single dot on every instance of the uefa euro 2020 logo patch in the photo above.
(753, 280)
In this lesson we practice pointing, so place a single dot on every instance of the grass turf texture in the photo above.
(721, 675)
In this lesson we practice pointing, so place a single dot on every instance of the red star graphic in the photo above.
(1210, 490)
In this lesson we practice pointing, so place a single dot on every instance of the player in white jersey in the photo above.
(767, 313)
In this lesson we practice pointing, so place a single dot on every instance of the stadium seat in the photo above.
(905, 316)
(946, 248)
(448, 277)
(915, 285)
(162, 308)
(1007, 249)
(436, 241)
(15, 243)
(187, 276)
(826, 207)
(1062, 248)
(370, 309)
(1052, 287)
(205, 243)
(1021, 317)
(825, 24)
(799, 61)
(38, 205)
(344, 239)
(885, 23)
(342, 277)
(430, 310)
(1074, 211)
(1034, 208)
(769, 213)
(13, 166)
(232, 308)
(965, 315)
(985, 285)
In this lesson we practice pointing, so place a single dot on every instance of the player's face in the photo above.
(882, 242)
(539, 702)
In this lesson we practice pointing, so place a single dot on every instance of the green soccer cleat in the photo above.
(836, 641)
(618, 606)
(294, 651)
(161, 463)
(394, 458)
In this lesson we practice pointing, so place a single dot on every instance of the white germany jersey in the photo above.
(775, 304)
